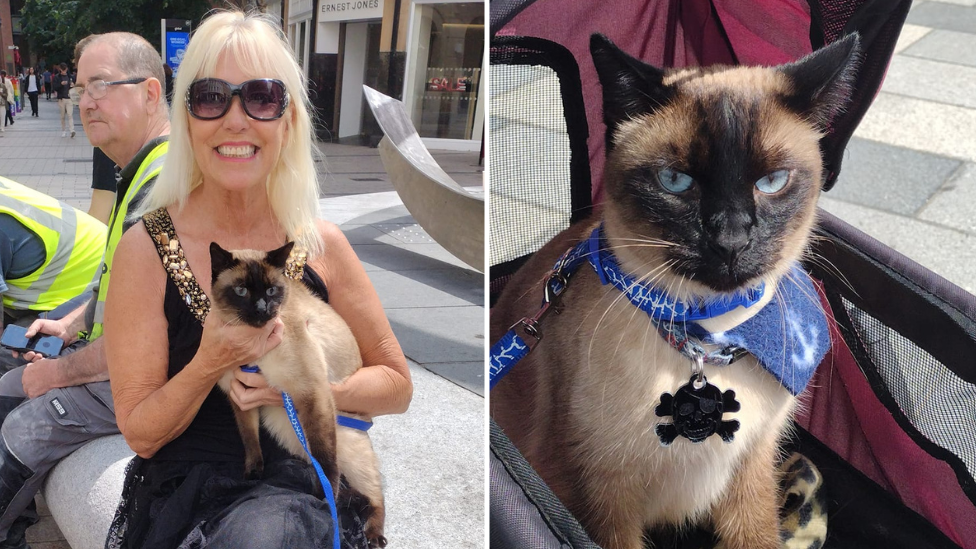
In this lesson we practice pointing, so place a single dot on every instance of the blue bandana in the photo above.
(788, 336)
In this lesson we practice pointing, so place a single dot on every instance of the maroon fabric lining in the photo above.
(840, 408)
(701, 32)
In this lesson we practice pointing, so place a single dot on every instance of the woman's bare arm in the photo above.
(383, 385)
(151, 410)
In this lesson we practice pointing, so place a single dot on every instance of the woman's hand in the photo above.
(231, 345)
(250, 390)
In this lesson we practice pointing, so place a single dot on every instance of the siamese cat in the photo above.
(711, 182)
(250, 287)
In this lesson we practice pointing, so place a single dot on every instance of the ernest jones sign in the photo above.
(349, 10)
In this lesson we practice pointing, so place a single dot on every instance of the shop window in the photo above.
(450, 52)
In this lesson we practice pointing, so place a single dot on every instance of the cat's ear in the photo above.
(220, 260)
(823, 81)
(278, 258)
(630, 87)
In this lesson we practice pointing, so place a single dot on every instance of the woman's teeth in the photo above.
(238, 151)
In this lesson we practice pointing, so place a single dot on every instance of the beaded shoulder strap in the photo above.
(160, 228)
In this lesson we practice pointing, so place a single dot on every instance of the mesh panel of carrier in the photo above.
(937, 402)
(529, 151)
(538, 162)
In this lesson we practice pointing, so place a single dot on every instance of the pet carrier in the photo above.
(889, 419)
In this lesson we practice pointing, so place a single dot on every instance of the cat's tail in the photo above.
(361, 469)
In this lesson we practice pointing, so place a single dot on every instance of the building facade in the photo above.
(427, 53)
(12, 42)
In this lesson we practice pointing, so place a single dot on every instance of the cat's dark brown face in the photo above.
(249, 284)
(718, 169)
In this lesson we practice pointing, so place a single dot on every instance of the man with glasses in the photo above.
(51, 407)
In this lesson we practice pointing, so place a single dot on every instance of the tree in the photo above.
(50, 26)
(53, 27)
(139, 16)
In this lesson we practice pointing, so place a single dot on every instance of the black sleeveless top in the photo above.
(213, 434)
(194, 489)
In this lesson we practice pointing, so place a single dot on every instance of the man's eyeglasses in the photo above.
(262, 99)
(96, 89)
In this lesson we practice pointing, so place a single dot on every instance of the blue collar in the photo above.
(353, 423)
(654, 301)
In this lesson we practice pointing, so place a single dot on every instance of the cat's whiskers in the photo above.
(615, 241)
(813, 257)
(783, 329)
(812, 296)
(650, 278)
(234, 320)
(645, 245)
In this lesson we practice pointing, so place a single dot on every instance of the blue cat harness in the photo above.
(788, 336)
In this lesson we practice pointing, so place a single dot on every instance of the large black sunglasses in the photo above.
(262, 98)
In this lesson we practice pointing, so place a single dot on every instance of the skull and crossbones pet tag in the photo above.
(696, 410)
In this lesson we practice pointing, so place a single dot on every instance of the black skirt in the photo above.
(194, 505)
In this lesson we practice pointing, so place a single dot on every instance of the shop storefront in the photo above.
(443, 85)
(348, 52)
(430, 54)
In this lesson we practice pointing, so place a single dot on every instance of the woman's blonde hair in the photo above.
(259, 50)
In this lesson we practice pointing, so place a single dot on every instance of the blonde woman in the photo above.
(239, 173)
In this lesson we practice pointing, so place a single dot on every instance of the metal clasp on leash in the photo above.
(554, 286)
(525, 334)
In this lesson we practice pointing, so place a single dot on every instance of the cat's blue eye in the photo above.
(674, 181)
(774, 182)
(240, 290)
(272, 291)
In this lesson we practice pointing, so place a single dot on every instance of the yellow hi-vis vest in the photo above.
(73, 243)
(148, 169)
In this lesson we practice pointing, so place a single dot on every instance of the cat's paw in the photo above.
(377, 542)
(254, 470)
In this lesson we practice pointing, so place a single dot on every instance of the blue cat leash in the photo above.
(326, 485)
(344, 421)
(669, 315)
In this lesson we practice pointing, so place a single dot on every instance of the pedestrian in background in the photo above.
(62, 83)
(33, 85)
(6, 99)
(47, 83)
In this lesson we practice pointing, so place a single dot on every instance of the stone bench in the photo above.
(83, 490)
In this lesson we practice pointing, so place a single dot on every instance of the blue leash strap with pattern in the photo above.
(524, 334)
(326, 485)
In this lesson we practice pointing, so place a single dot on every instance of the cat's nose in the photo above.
(262, 305)
(729, 247)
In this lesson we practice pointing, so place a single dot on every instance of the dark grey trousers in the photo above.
(41, 431)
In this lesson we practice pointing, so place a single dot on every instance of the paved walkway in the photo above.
(909, 178)
(432, 457)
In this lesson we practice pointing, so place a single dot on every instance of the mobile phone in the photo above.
(14, 337)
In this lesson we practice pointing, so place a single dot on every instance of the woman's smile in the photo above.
(237, 151)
